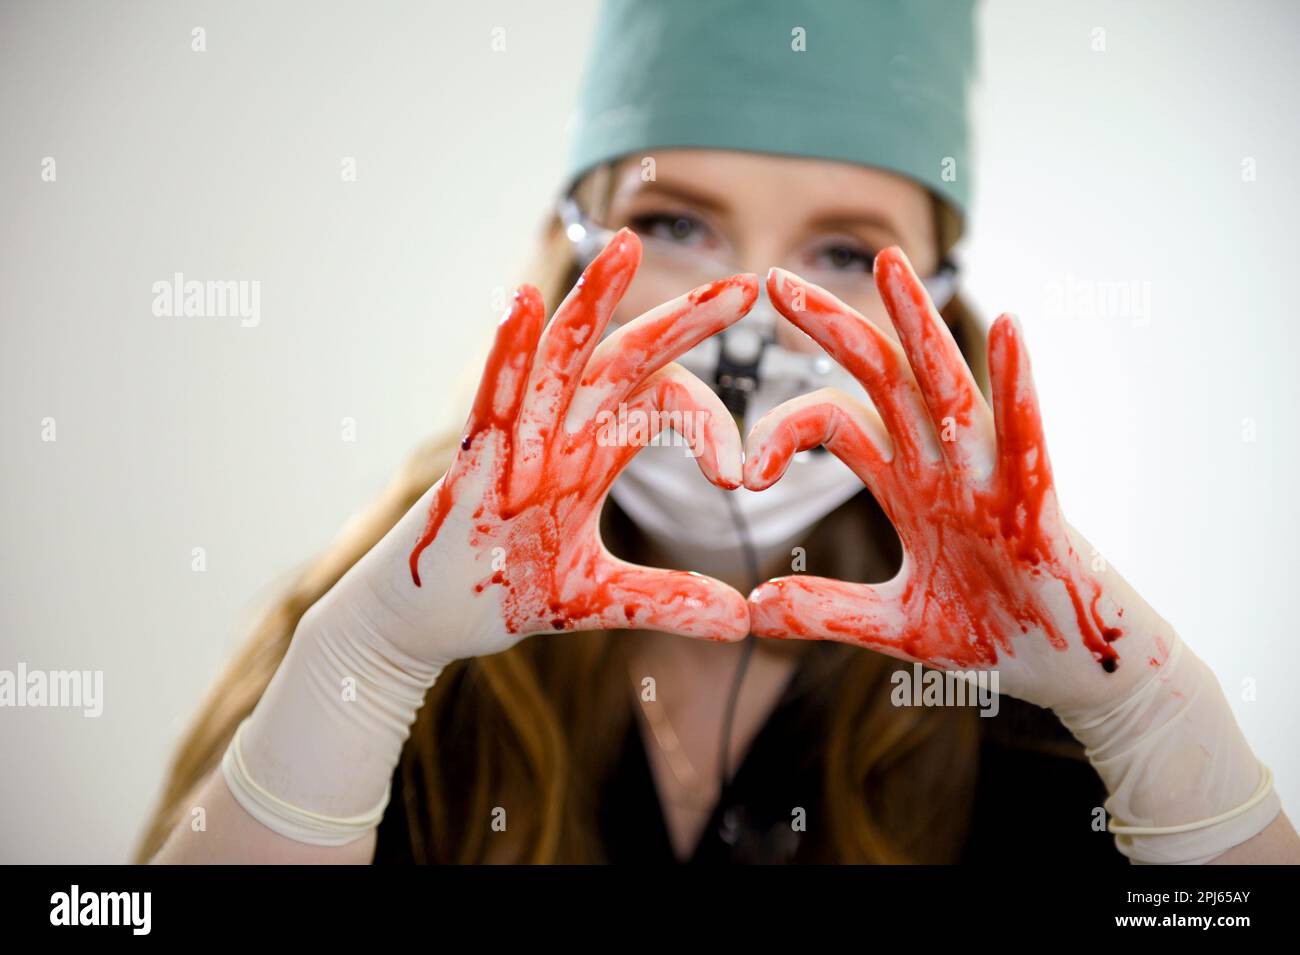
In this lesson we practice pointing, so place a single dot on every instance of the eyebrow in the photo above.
(830, 221)
(839, 221)
(681, 193)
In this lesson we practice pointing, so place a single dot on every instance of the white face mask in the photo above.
(662, 490)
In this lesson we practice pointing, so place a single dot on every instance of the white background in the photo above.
(1094, 169)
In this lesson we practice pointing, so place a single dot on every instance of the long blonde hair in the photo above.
(537, 728)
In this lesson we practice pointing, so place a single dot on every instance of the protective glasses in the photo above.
(746, 356)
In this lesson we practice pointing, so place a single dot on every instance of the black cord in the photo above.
(733, 697)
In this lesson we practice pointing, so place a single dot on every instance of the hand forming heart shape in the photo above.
(526, 488)
(991, 575)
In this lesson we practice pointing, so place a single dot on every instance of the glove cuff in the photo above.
(1184, 784)
(314, 760)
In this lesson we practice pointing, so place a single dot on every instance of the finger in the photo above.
(849, 429)
(868, 354)
(565, 347)
(623, 360)
(1023, 468)
(497, 401)
(958, 410)
(505, 374)
(818, 608)
(668, 601)
(580, 321)
(671, 398)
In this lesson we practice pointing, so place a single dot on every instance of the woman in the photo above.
(390, 708)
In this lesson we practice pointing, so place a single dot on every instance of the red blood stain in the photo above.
(542, 487)
(988, 556)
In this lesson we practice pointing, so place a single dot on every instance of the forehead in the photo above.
(771, 187)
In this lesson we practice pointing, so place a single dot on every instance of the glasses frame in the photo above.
(738, 359)
(588, 238)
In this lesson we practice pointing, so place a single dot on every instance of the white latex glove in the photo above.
(992, 575)
(506, 545)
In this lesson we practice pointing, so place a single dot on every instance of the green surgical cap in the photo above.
(875, 82)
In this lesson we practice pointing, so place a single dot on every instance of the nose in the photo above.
(744, 341)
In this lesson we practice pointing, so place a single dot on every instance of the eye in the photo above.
(844, 257)
(673, 227)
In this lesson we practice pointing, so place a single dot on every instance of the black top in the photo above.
(1035, 797)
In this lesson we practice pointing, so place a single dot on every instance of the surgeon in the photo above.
(742, 472)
